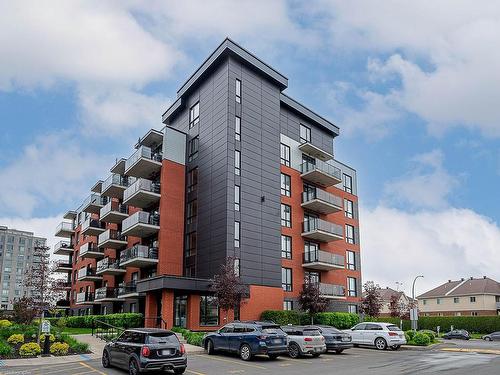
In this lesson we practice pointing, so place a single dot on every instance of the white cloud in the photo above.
(443, 53)
(448, 244)
(52, 170)
(428, 184)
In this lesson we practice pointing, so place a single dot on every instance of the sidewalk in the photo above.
(96, 347)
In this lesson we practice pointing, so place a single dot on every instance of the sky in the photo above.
(413, 85)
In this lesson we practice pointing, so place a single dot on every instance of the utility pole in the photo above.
(414, 310)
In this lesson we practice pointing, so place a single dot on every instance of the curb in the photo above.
(420, 348)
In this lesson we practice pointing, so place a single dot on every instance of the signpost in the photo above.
(46, 344)
(414, 318)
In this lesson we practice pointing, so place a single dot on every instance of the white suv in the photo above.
(380, 335)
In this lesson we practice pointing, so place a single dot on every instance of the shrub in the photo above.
(30, 349)
(51, 337)
(338, 320)
(61, 323)
(431, 334)
(5, 323)
(421, 339)
(59, 348)
(192, 338)
(125, 320)
(17, 338)
(75, 345)
(283, 317)
(5, 349)
(410, 335)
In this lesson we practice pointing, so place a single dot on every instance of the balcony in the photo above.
(65, 229)
(115, 185)
(63, 248)
(112, 239)
(92, 227)
(107, 294)
(88, 274)
(141, 224)
(320, 173)
(108, 266)
(322, 261)
(142, 193)
(94, 203)
(63, 285)
(128, 290)
(321, 201)
(139, 256)
(63, 266)
(143, 163)
(331, 291)
(85, 298)
(119, 167)
(70, 215)
(91, 250)
(315, 151)
(320, 230)
(113, 212)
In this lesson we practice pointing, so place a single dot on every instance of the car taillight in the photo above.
(308, 339)
(393, 334)
(182, 349)
(145, 352)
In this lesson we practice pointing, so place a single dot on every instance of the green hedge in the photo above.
(336, 319)
(395, 321)
(125, 320)
(192, 338)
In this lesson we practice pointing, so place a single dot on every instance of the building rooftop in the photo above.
(463, 287)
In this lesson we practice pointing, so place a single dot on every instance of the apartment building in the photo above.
(465, 297)
(16, 258)
(239, 171)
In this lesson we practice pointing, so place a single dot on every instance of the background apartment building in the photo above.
(386, 294)
(465, 297)
(16, 258)
(239, 171)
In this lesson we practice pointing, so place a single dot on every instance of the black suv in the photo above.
(335, 339)
(146, 349)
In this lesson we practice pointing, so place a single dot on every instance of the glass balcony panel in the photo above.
(321, 173)
(322, 230)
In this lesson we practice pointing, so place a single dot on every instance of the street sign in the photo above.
(413, 314)
(45, 326)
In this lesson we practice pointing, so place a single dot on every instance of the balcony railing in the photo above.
(63, 248)
(321, 230)
(127, 288)
(93, 227)
(115, 184)
(141, 224)
(93, 203)
(143, 162)
(331, 290)
(105, 293)
(322, 260)
(85, 297)
(112, 239)
(113, 212)
(109, 266)
(142, 193)
(321, 173)
(88, 273)
(321, 201)
(63, 266)
(139, 255)
(91, 250)
(65, 229)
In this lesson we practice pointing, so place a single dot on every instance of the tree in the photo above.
(395, 306)
(371, 303)
(23, 312)
(227, 287)
(310, 300)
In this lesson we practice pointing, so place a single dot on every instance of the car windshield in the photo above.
(331, 330)
(311, 332)
(272, 330)
(162, 338)
(393, 328)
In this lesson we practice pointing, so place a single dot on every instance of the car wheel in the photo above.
(380, 344)
(133, 367)
(179, 371)
(488, 338)
(245, 352)
(210, 347)
(273, 356)
(395, 347)
(293, 350)
(339, 351)
(105, 359)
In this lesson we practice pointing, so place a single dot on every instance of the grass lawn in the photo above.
(76, 331)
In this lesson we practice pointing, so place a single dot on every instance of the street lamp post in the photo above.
(413, 316)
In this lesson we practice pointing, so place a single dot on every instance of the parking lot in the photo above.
(355, 361)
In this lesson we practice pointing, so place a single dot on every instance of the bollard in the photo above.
(46, 346)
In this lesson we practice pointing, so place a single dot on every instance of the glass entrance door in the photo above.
(180, 311)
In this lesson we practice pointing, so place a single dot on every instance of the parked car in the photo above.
(495, 336)
(380, 335)
(145, 349)
(304, 340)
(248, 339)
(460, 334)
(335, 339)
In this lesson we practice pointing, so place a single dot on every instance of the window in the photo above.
(133, 307)
(352, 290)
(349, 234)
(209, 311)
(458, 314)
(348, 208)
(192, 211)
(353, 309)
(438, 301)
(286, 216)
(351, 260)
(286, 279)
(287, 305)
(473, 313)
(193, 149)
(472, 299)
(236, 266)
(192, 180)
(311, 277)
(191, 239)
(237, 162)
(311, 251)
(424, 302)
(286, 247)
(456, 300)
(238, 91)
(285, 154)
(237, 128)
(347, 183)
(286, 185)
(194, 115)
(237, 197)
(236, 234)
(305, 134)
